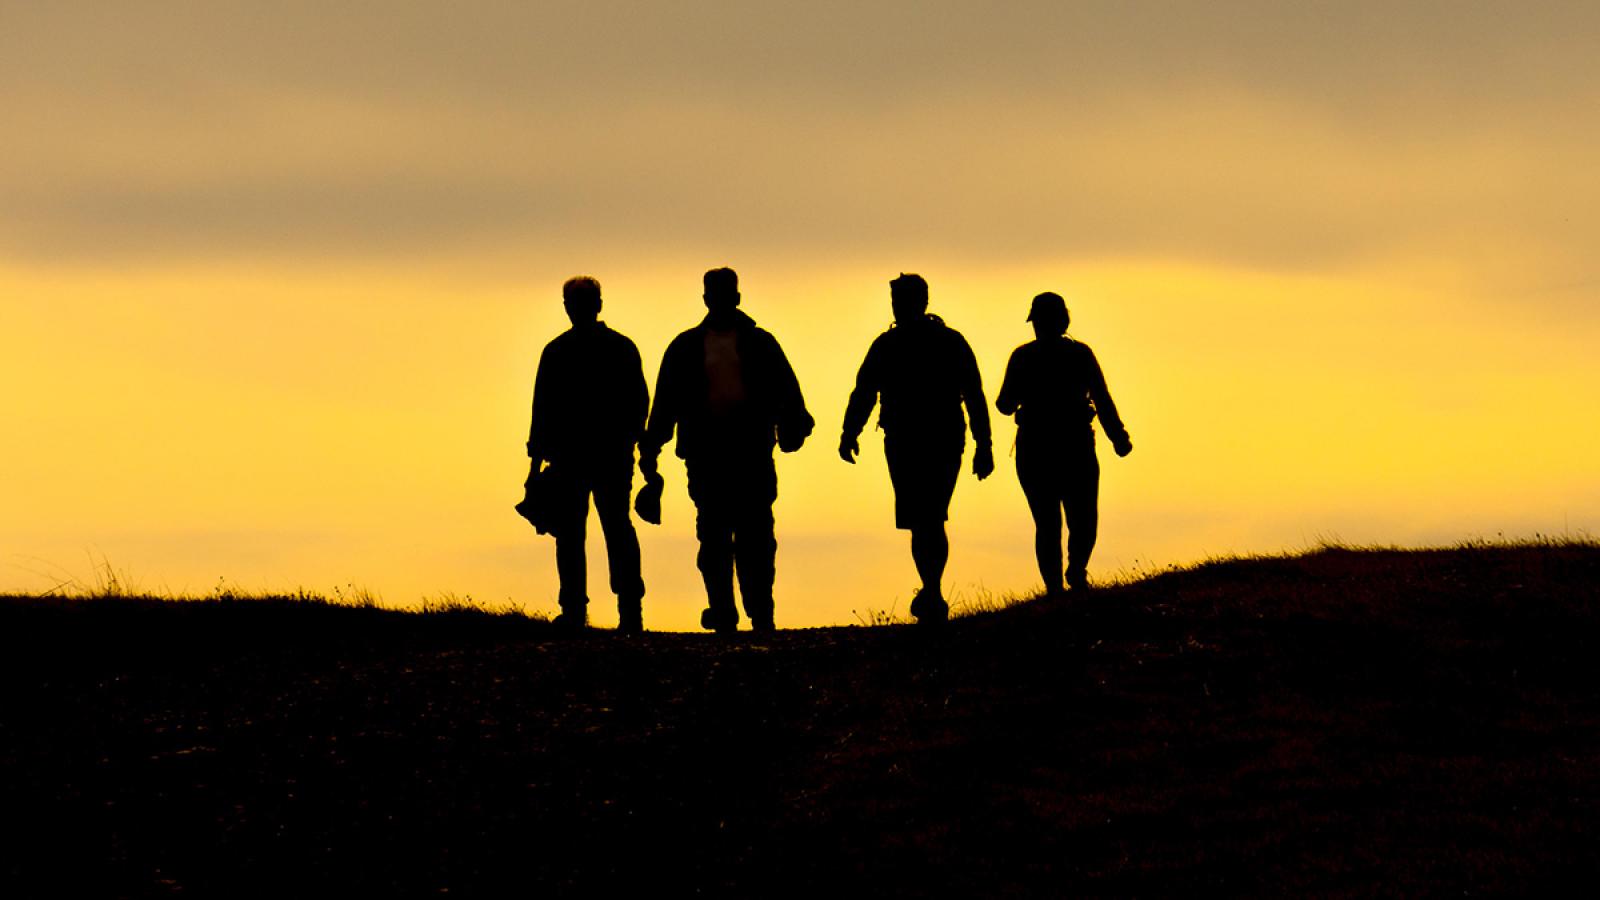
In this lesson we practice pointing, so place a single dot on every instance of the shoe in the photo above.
(570, 623)
(711, 620)
(764, 626)
(1077, 581)
(928, 608)
(630, 615)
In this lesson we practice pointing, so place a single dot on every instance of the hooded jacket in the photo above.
(921, 372)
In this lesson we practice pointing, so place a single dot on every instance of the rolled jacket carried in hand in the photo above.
(648, 503)
(536, 504)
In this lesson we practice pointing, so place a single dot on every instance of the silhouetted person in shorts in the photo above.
(921, 371)
(1055, 388)
(730, 393)
(589, 404)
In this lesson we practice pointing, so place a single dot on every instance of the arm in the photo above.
(663, 415)
(638, 394)
(539, 426)
(977, 411)
(862, 399)
(1007, 399)
(794, 420)
(1105, 409)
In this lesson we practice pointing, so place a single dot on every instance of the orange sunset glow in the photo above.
(274, 280)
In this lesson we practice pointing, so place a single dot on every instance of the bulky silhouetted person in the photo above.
(921, 372)
(589, 404)
(730, 393)
(1055, 388)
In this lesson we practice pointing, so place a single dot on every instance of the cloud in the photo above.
(1254, 133)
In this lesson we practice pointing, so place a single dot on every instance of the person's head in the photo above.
(722, 290)
(908, 294)
(1049, 315)
(581, 297)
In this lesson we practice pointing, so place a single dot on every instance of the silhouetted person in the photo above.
(1055, 388)
(727, 388)
(589, 404)
(921, 371)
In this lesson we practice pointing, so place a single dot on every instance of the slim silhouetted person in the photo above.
(921, 372)
(589, 404)
(730, 393)
(1055, 388)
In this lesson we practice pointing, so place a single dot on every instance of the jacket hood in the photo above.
(926, 320)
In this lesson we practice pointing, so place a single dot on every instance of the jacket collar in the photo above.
(737, 317)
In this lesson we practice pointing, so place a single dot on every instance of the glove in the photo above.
(983, 461)
(848, 448)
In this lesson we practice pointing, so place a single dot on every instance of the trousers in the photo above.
(611, 486)
(1061, 478)
(733, 497)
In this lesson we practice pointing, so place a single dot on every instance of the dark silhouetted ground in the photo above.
(1344, 723)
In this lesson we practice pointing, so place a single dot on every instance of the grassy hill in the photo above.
(1340, 723)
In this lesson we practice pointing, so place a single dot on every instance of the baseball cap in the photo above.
(1049, 305)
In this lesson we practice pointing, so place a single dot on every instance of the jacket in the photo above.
(921, 373)
(1055, 388)
(773, 411)
(589, 397)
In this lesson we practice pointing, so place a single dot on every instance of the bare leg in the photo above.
(930, 550)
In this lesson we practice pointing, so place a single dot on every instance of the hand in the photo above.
(1123, 447)
(983, 461)
(792, 434)
(848, 448)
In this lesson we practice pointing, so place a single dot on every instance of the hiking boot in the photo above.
(570, 622)
(630, 616)
(928, 608)
(721, 623)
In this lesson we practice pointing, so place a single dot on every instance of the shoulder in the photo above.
(619, 341)
(686, 339)
(954, 338)
(761, 337)
(558, 344)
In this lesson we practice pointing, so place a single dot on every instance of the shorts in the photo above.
(924, 477)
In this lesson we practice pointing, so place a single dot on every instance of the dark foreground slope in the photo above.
(1345, 723)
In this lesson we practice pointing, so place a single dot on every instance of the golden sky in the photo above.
(274, 276)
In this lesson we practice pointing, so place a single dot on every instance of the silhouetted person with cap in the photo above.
(730, 393)
(589, 405)
(921, 372)
(1055, 388)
